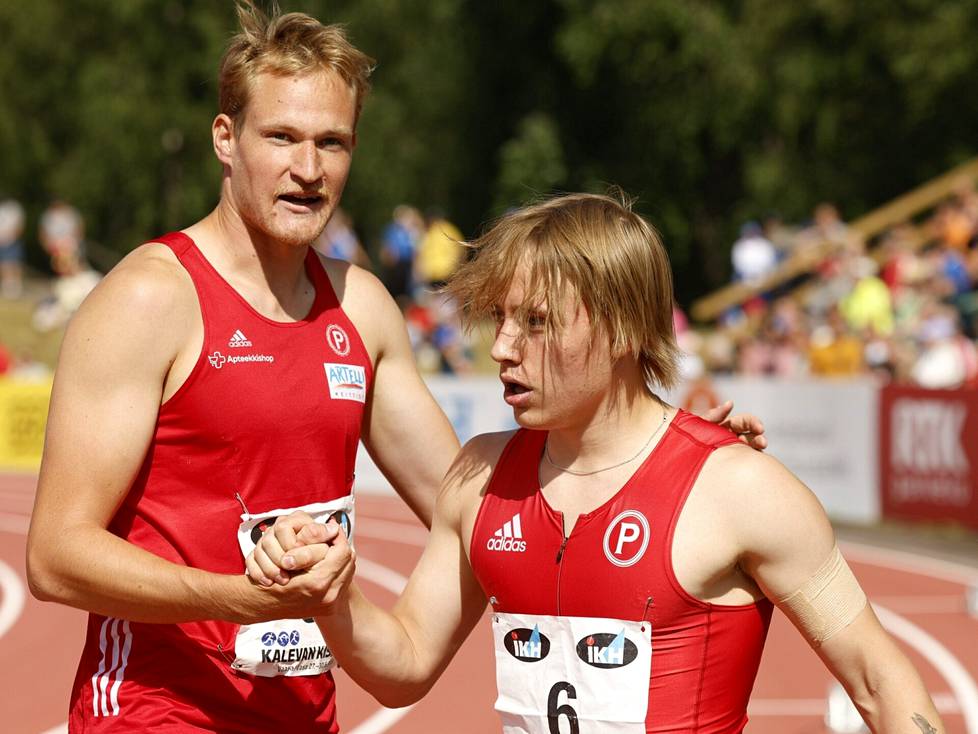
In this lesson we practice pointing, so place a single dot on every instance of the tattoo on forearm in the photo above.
(923, 725)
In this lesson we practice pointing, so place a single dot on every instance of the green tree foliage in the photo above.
(711, 112)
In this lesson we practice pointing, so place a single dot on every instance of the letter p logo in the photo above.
(630, 533)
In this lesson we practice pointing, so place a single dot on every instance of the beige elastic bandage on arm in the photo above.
(827, 603)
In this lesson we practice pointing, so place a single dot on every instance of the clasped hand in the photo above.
(303, 561)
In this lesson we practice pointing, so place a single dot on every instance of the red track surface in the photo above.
(41, 647)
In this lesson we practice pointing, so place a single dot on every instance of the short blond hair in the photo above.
(294, 43)
(595, 249)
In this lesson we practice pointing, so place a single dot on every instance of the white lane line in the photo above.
(12, 597)
(938, 568)
(383, 719)
(937, 604)
(962, 684)
(394, 532)
(945, 703)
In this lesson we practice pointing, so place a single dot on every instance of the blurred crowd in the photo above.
(903, 307)
(61, 234)
(417, 253)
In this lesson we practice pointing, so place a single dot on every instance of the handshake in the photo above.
(306, 564)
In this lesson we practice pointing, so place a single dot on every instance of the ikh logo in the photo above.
(527, 645)
(238, 339)
(342, 518)
(347, 382)
(509, 537)
(627, 538)
(337, 339)
(260, 528)
(603, 650)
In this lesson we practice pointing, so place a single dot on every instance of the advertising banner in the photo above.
(23, 417)
(929, 454)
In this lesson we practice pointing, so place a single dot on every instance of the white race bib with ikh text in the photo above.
(571, 675)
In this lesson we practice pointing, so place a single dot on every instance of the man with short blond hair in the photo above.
(219, 377)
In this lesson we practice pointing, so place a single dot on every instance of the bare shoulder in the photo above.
(150, 280)
(365, 301)
(145, 302)
(760, 499)
(469, 474)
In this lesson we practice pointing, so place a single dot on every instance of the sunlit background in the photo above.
(811, 166)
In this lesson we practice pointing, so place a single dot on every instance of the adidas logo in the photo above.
(238, 340)
(509, 537)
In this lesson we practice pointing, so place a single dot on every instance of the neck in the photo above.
(269, 274)
(614, 433)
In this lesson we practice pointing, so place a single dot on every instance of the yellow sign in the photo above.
(23, 417)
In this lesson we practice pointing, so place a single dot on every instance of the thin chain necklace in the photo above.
(546, 452)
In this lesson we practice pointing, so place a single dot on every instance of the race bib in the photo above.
(571, 675)
(286, 646)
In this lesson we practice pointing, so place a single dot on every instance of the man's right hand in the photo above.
(302, 562)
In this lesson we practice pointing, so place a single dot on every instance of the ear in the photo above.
(222, 132)
(353, 144)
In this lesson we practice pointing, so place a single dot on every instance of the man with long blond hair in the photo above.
(631, 553)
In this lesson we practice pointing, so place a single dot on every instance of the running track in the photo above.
(921, 601)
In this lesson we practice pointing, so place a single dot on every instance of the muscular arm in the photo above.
(878, 677)
(404, 430)
(107, 392)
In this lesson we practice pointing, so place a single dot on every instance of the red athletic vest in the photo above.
(271, 411)
(616, 563)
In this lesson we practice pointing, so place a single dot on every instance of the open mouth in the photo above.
(514, 388)
(301, 199)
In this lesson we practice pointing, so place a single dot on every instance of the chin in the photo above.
(528, 418)
(302, 235)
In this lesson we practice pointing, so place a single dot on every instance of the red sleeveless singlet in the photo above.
(270, 412)
(617, 564)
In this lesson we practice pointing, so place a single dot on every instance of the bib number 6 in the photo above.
(554, 712)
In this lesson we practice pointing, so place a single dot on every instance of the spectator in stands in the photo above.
(11, 248)
(62, 233)
(753, 255)
(834, 351)
(948, 359)
(398, 247)
(340, 241)
(439, 252)
(868, 308)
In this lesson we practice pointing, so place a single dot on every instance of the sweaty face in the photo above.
(291, 157)
(550, 386)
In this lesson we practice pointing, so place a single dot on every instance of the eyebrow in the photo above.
(341, 130)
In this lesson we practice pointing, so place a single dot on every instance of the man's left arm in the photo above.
(405, 431)
(811, 583)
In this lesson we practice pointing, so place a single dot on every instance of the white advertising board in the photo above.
(823, 431)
